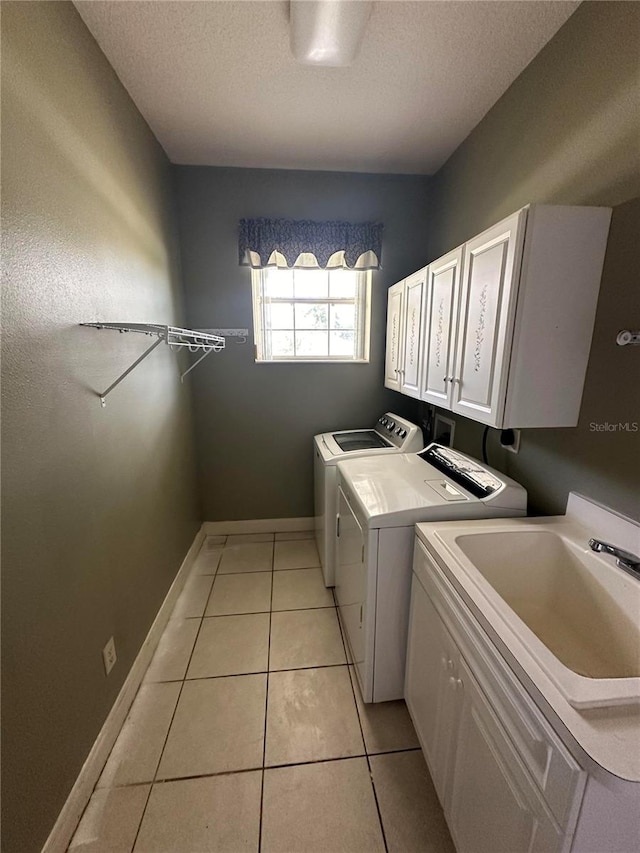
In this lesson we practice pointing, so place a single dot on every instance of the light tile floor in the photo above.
(249, 731)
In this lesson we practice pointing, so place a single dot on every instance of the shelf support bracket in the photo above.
(195, 363)
(148, 351)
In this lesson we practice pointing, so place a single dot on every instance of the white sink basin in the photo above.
(575, 612)
(558, 592)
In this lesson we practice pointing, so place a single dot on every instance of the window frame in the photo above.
(362, 303)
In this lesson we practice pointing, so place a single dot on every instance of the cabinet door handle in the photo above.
(337, 526)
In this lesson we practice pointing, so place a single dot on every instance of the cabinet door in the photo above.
(412, 334)
(430, 683)
(351, 582)
(392, 365)
(442, 297)
(494, 807)
(487, 310)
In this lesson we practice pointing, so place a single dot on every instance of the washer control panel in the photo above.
(397, 430)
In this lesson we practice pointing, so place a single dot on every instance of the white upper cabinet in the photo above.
(392, 364)
(405, 330)
(442, 292)
(487, 307)
(413, 330)
(512, 349)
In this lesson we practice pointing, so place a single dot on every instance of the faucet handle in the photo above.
(624, 559)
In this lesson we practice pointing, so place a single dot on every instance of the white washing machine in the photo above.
(379, 502)
(391, 434)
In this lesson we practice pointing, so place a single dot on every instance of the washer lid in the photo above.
(397, 489)
(360, 439)
(331, 452)
(402, 489)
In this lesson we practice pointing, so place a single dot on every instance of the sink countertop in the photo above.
(607, 737)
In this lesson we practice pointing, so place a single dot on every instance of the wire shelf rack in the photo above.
(173, 336)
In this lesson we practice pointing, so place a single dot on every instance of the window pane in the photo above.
(343, 316)
(278, 283)
(310, 316)
(311, 344)
(341, 343)
(282, 344)
(342, 284)
(280, 315)
(328, 325)
(311, 284)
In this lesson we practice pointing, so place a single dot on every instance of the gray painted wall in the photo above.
(566, 132)
(255, 422)
(99, 506)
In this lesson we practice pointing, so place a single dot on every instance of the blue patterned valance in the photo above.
(308, 245)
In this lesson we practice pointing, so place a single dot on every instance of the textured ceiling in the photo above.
(218, 85)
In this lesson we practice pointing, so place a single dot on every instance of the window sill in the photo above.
(312, 361)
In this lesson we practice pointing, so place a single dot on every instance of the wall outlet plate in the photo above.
(515, 447)
(109, 656)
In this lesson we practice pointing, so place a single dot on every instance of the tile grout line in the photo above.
(164, 745)
(364, 743)
(253, 672)
(261, 612)
(263, 571)
(163, 780)
(266, 698)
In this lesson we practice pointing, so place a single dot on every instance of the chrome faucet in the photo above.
(624, 560)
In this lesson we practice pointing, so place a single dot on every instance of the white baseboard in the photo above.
(80, 794)
(258, 525)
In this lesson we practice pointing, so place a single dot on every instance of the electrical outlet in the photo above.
(514, 446)
(109, 655)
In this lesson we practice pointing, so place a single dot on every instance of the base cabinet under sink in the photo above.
(490, 802)
(494, 807)
(505, 781)
(430, 686)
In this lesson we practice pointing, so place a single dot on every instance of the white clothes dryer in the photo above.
(379, 502)
(391, 434)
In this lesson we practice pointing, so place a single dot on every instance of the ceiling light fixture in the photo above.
(327, 32)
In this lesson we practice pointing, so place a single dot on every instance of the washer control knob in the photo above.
(391, 425)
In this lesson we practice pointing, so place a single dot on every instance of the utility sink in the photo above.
(577, 614)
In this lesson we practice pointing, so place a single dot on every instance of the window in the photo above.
(311, 315)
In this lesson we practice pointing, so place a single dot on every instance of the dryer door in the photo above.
(319, 493)
(351, 582)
